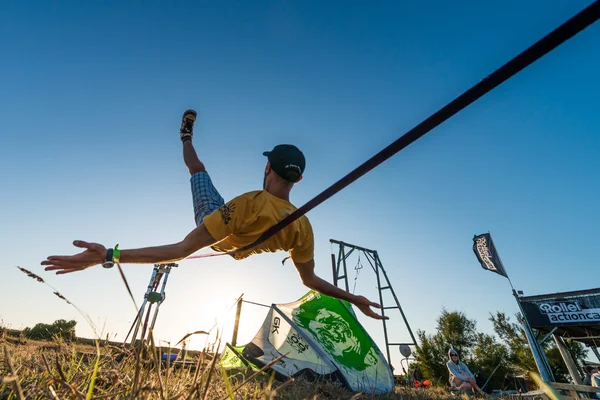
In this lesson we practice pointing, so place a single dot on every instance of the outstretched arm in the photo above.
(95, 253)
(197, 239)
(311, 280)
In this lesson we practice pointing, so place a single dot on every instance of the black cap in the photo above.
(287, 161)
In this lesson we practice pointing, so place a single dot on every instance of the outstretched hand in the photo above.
(364, 305)
(93, 254)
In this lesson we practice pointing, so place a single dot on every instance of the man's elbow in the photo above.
(310, 282)
(198, 239)
(186, 249)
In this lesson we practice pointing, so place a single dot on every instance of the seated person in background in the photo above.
(595, 378)
(589, 371)
(460, 376)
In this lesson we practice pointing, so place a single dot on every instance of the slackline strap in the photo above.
(206, 255)
(548, 43)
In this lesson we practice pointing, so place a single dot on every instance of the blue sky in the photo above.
(91, 99)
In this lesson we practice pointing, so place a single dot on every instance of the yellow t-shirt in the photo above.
(242, 220)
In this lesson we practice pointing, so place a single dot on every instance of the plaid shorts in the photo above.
(205, 196)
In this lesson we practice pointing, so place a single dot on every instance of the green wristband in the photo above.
(116, 254)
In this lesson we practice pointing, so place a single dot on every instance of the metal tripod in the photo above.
(152, 297)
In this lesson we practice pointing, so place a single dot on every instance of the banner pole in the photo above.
(236, 324)
(596, 353)
(538, 353)
(489, 258)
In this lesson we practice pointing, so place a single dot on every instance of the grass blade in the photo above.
(228, 387)
(157, 361)
(13, 372)
(94, 373)
(211, 370)
(254, 375)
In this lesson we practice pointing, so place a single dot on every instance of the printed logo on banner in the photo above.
(568, 312)
(297, 342)
(276, 324)
(484, 253)
(487, 255)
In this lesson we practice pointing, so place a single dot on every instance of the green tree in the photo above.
(492, 359)
(59, 328)
(520, 354)
(514, 338)
(486, 353)
(454, 330)
(431, 357)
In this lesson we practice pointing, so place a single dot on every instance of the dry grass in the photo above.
(56, 370)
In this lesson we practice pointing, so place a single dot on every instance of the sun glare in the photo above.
(219, 320)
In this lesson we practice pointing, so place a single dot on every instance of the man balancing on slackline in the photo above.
(230, 226)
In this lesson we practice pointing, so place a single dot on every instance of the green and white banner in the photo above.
(321, 338)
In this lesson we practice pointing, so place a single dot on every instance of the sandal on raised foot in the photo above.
(187, 125)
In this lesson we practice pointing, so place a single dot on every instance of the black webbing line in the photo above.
(548, 43)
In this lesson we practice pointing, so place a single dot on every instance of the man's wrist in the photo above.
(108, 260)
(354, 299)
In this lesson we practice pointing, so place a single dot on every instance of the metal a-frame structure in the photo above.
(153, 296)
(340, 273)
